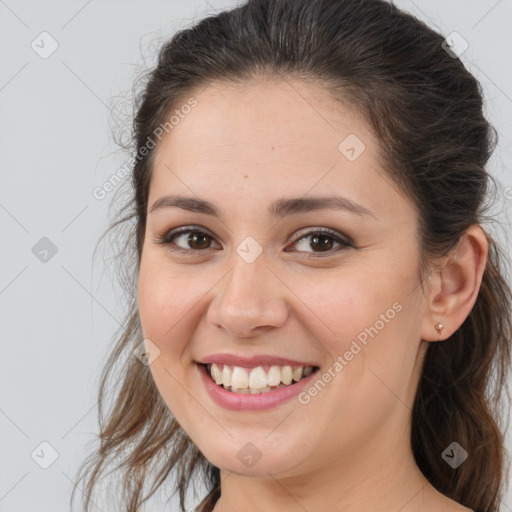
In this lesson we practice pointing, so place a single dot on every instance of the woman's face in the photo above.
(254, 283)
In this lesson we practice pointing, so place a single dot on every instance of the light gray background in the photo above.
(57, 317)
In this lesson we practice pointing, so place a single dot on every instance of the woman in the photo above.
(319, 318)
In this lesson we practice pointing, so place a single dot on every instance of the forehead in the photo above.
(264, 113)
(269, 138)
(261, 121)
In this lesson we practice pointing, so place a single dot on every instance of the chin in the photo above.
(246, 459)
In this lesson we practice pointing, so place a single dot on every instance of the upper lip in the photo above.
(253, 361)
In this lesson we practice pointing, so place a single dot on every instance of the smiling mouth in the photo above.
(256, 380)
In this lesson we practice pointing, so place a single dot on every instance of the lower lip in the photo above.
(247, 402)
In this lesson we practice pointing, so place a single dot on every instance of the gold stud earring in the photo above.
(439, 328)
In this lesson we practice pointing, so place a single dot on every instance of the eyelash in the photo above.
(168, 239)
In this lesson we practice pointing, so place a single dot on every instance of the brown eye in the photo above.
(198, 240)
(325, 242)
(322, 241)
(191, 240)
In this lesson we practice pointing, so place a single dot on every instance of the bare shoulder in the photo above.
(443, 503)
(453, 506)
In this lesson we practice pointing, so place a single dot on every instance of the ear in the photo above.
(453, 288)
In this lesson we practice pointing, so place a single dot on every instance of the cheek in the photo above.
(364, 318)
(164, 299)
(166, 306)
(342, 305)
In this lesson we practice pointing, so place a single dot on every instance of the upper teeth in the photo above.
(256, 378)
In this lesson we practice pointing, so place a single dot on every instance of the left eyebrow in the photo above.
(277, 210)
(288, 206)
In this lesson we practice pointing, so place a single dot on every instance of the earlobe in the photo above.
(455, 287)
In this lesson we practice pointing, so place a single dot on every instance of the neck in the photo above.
(360, 482)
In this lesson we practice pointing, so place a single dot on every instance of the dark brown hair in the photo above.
(426, 110)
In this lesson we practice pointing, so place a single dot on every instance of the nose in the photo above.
(248, 301)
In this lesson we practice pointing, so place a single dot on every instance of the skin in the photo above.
(348, 449)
